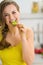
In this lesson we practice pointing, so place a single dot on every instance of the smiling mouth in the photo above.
(14, 23)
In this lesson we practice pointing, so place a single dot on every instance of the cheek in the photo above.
(7, 20)
(17, 15)
(17, 18)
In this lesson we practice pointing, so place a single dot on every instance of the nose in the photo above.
(11, 17)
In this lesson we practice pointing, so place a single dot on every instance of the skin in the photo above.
(25, 35)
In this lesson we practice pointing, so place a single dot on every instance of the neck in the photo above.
(12, 30)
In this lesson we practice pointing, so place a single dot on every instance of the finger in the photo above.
(20, 26)
(21, 29)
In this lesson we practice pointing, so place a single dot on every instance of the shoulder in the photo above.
(29, 31)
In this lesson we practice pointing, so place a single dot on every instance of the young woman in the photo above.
(16, 45)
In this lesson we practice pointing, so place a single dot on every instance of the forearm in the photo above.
(27, 50)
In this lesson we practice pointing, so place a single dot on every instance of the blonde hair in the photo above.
(3, 4)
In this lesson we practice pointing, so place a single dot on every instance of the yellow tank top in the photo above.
(12, 56)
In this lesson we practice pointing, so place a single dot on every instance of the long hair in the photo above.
(3, 4)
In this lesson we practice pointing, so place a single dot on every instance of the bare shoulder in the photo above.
(29, 31)
(30, 35)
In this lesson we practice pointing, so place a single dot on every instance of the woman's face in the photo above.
(11, 13)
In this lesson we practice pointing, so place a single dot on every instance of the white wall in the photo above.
(26, 5)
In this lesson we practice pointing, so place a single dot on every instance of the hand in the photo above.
(22, 29)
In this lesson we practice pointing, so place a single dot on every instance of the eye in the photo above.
(13, 12)
(6, 15)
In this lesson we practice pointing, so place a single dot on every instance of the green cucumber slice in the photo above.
(14, 23)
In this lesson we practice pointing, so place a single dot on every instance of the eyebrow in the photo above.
(5, 14)
(8, 13)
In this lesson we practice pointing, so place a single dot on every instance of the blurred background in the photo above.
(31, 15)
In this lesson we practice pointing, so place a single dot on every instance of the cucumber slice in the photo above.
(14, 23)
